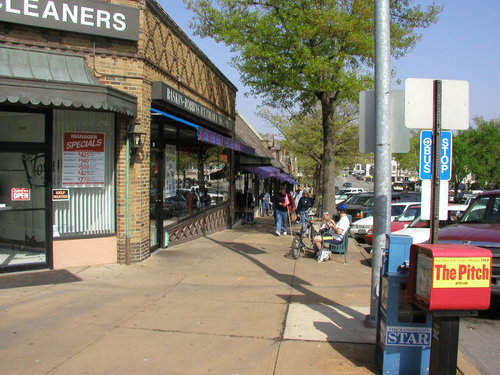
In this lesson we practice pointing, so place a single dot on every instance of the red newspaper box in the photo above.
(449, 277)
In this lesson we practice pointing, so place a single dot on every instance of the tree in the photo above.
(410, 159)
(303, 137)
(304, 52)
(476, 153)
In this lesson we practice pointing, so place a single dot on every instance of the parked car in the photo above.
(347, 184)
(479, 226)
(357, 203)
(174, 205)
(412, 211)
(361, 227)
(365, 208)
(349, 190)
(405, 218)
(419, 229)
(344, 196)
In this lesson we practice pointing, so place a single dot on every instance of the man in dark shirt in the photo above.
(281, 203)
(303, 207)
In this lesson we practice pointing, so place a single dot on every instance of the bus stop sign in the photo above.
(426, 144)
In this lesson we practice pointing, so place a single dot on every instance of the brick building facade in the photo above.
(74, 68)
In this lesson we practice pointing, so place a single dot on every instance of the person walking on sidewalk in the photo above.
(265, 203)
(298, 195)
(303, 207)
(281, 203)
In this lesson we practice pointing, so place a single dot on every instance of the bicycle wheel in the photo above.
(308, 238)
(296, 247)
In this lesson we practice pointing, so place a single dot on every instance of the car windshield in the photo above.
(354, 199)
(485, 209)
(418, 223)
(359, 200)
(396, 210)
(409, 214)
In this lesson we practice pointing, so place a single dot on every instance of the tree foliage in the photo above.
(298, 53)
(476, 152)
(303, 138)
(410, 160)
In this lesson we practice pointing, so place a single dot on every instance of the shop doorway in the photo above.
(23, 211)
(155, 201)
(24, 204)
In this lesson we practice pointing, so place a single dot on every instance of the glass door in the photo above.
(155, 201)
(23, 211)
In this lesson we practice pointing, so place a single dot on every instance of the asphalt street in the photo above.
(478, 336)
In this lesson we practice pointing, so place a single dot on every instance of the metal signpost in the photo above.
(435, 159)
(436, 165)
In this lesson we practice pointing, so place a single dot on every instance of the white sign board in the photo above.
(419, 103)
(425, 211)
(400, 135)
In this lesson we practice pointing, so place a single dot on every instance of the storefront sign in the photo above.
(471, 272)
(60, 195)
(20, 194)
(164, 92)
(83, 159)
(214, 138)
(80, 16)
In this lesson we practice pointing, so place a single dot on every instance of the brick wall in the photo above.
(162, 54)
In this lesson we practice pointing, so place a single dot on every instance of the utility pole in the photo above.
(381, 222)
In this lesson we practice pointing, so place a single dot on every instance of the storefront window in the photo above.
(22, 127)
(84, 160)
(196, 175)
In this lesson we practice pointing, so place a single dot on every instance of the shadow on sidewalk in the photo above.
(50, 277)
(336, 312)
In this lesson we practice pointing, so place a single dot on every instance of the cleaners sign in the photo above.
(83, 159)
(426, 147)
(80, 16)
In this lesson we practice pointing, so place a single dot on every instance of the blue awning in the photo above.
(210, 136)
(262, 171)
(285, 177)
(266, 171)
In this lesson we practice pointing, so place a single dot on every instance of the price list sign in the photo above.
(83, 159)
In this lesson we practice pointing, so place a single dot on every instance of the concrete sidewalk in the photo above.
(230, 303)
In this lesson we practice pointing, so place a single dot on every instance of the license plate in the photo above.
(361, 231)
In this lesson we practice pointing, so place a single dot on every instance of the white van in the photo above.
(353, 190)
(343, 194)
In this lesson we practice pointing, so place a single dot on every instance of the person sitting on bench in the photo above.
(335, 234)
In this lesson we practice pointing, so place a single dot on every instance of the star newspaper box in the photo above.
(449, 277)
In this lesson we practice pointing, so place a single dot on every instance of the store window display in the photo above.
(192, 176)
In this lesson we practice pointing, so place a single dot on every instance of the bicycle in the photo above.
(304, 240)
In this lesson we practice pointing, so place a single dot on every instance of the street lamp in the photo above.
(136, 134)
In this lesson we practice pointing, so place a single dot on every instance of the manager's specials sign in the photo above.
(79, 16)
(83, 159)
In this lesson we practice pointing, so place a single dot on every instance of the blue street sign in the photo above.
(426, 155)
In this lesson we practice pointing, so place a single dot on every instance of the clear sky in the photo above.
(463, 45)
